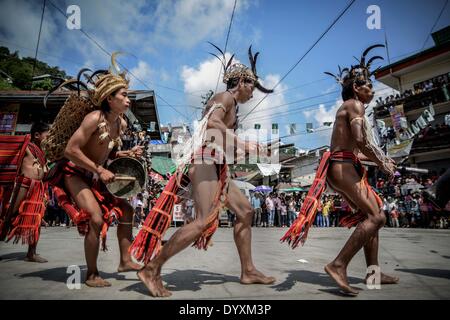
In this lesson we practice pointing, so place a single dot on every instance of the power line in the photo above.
(329, 78)
(109, 54)
(297, 101)
(434, 24)
(311, 106)
(306, 53)
(37, 45)
(226, 41)
(301, 108)
(315, 104)
(79, 63)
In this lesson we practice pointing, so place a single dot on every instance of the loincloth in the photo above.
(298, 232)
(109, 205)
(25, 225)
(351, 218)
(147, 243)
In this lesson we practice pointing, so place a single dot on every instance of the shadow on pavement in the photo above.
(13, 256)
(436, 273)
(338, 292)
(186, 280)
(60, 275)
(306, 276)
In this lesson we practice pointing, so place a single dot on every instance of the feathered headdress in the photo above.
(360, 71)
(238, 70)
(100, 84)
(109, 82)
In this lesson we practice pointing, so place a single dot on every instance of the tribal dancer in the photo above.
(202, 163)
(342, 170)
(24, 202)
(81, 176)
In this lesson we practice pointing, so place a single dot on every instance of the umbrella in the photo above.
(293, 189)
(262, 189)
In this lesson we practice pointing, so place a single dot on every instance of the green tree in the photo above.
(21, 71)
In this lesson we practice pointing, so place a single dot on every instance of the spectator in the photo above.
(283, 212)
(277, 203)
(319, 217)
(394, 217)
(325, 212)
(415, 211)
(270, 205)
(291, 211)
(256, 203)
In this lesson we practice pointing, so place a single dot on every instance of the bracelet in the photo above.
(99, 167)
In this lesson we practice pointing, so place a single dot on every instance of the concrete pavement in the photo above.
(421, 258)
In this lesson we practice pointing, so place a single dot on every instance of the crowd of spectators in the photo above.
(441, 81)
(403, 204)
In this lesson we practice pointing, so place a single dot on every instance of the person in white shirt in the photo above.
(270, 205)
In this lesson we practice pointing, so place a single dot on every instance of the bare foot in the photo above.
(340, 276)
(35, 258)
(129, 266)
(151, 277)
(256, 277)
(96, 281)
(386, 279)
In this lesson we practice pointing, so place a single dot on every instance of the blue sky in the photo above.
(167, 42)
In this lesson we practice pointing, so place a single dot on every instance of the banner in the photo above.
(274, 128)
(402, 149)
(8, 121)
(401, 145)
(398, 118)
(178, 214)
(292, 128)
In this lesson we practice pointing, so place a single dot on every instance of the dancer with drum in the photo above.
(80, 188)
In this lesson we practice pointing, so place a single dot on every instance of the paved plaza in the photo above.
(421, 258)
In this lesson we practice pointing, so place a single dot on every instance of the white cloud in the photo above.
(164, 75)
(267, 111)
(204, 77)
(330, 89)
(143, 72)
(130, 26)
(19, 24)
(187, 22)
(322, 114)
